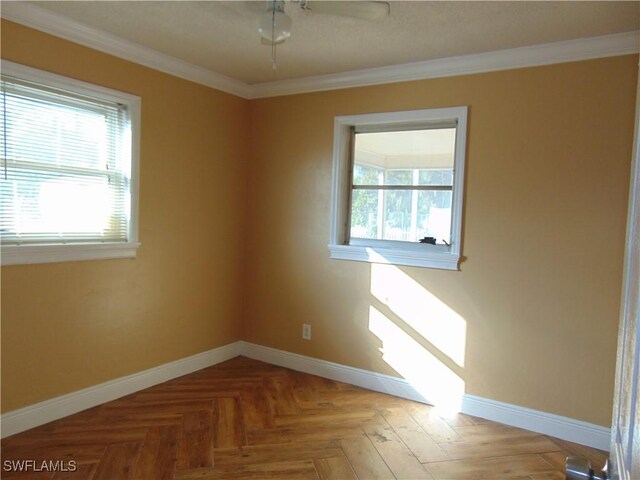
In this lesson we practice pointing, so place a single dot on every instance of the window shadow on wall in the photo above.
(423, 339)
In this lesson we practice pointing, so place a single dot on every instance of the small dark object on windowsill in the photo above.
(431, 240)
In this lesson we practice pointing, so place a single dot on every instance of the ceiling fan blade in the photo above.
(361, 9)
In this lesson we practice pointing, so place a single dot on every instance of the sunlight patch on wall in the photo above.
(421, 310)
(428, 375)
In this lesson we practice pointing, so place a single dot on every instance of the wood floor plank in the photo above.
(158, 454)
(93, 437)
(278, 453)
(334, 468)
(365, 459)
(556, 459)
(305, 387)
(118, 462)
(295, 470)
(548, 476)
(196, 443)
(164, 407)
(459, 420)
(257, 413)
(490, 432)
(509, 467)
(138, 421)
(506, 446)
(27, 475)
(433, 424)
(400, 460)
(279, 393)
(358, 399)
(229, 430)
(422, 445)
(78, 453)
(304, 433)
(325, 417)
(83, 471)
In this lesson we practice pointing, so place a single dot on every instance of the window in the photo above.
(68, 179)
(397, 187)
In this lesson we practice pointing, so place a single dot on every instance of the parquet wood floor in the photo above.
(245, 419)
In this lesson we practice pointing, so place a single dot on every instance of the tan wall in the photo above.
(534, 309)
(66, 326)
(533, 313)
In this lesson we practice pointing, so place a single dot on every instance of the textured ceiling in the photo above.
(222, 36)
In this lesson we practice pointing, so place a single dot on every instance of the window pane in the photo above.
(397, 216)
(434, 215)
(364, 214)
(436, 177)
(398, 177)
(401, 215)
(366, 175)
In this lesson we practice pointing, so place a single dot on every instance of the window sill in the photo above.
(30, 254)
(395, 256)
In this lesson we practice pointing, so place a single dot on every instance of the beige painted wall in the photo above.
(531, 318)
(66, 326)
(534, 309)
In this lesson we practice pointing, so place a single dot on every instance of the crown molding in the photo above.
(531, 56)
(60, 26)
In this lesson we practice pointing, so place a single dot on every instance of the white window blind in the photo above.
(66, 166)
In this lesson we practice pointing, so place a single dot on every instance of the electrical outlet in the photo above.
(306, 331)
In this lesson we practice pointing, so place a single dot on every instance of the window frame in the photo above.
(341, 246)
(64, 252)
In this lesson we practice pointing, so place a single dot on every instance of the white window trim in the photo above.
(379, 252)
(29, 254)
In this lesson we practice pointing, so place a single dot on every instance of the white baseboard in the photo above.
(557, 426)
(549, 424)
(541, 422)
(23, 419)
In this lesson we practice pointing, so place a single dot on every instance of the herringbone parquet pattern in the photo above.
(245, 419)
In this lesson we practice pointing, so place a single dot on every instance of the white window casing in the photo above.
(341, 246)
(70, 183)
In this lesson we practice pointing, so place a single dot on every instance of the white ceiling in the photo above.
(222, 36)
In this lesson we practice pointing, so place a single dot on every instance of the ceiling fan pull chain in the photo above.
(274, 65)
